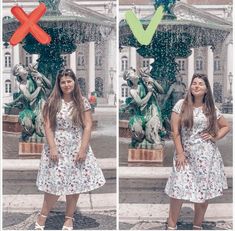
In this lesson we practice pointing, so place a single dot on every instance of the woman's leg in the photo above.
(48, 203)
(200, 210)
(71, 204)
(175, 207)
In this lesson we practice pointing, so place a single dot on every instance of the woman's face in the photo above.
(198, 87)
(67, 85)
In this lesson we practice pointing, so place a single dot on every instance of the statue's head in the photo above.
(20, 72)
(131, 76)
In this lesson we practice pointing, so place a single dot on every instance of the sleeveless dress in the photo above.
(66, 177)
(203, 178)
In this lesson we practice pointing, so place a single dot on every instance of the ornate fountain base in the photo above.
(140, 155)
(32, 150)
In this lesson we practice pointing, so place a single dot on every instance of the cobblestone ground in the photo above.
(98, 220)
(143, 225)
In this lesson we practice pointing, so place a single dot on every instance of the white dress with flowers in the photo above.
(66, 177)
(203, 178)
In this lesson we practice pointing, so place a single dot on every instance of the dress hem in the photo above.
(194, 201)
(65, 194)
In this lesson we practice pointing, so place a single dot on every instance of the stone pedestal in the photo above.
(124, 130)
(32, 150)
(11, 123)
(146, 155)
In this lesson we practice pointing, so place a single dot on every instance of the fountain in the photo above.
(66, 31)
(173, 39)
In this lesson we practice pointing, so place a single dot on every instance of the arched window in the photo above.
(99, 87)
(124, 63)
(199, 63)
(125, 90)
(146, 63)
(28, 59)
(6, 18)
(8, 86)
(81, 59)
(181, 63)
(82, 84)
(217, 64)
(98, 59)
(7, 57)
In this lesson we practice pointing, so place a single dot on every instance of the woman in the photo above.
(68, 166)
(198, 171)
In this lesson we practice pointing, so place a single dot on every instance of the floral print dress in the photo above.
(65, 177)
(203, 177)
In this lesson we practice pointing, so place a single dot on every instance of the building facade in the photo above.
(217, 63)
(93, 62)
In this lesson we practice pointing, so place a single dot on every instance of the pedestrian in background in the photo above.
(93, 101)
(198, 170)
(68, 166)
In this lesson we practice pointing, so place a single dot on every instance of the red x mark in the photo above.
(29, 25)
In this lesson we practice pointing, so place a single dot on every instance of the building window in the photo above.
(125, 90)
(28, 59)
(124, 64)
(145, 63)
(82, 84)
(65, 60)
(181, 64)
(99, 87)
(81, 59)
(217, 64)
(199, 64)
(8, 86)
(7, 59)
(98, 60)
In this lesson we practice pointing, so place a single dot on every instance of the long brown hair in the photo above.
(208, 108)
(53, 104)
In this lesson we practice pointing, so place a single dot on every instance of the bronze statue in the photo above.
(34, 88)
(145, 122)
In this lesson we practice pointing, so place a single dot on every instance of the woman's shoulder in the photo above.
(86, 104)
(177, 107)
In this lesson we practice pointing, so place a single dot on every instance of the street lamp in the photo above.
(230, 79)
(111, 73)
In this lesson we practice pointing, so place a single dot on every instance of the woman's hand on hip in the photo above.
(81, 156)
(181, 161)
(54, 154)
(208, 136)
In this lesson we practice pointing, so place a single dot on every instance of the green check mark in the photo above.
(143, 36)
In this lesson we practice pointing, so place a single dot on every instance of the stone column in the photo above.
(34, 58)
(133, 57)
(190, 67)
(111, 86)
(16, 55)
(15, 60)
(73, 63)
(91, 70)
(210, 66)
(229, 62)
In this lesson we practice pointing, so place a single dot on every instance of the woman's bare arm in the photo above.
(85, 136)
(50, 140)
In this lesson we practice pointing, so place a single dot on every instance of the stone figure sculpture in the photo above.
(145, 122)
(34, 88)
(176, 91)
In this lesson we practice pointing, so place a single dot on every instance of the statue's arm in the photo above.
(138, 100)
(27, 94)
(11, 104)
